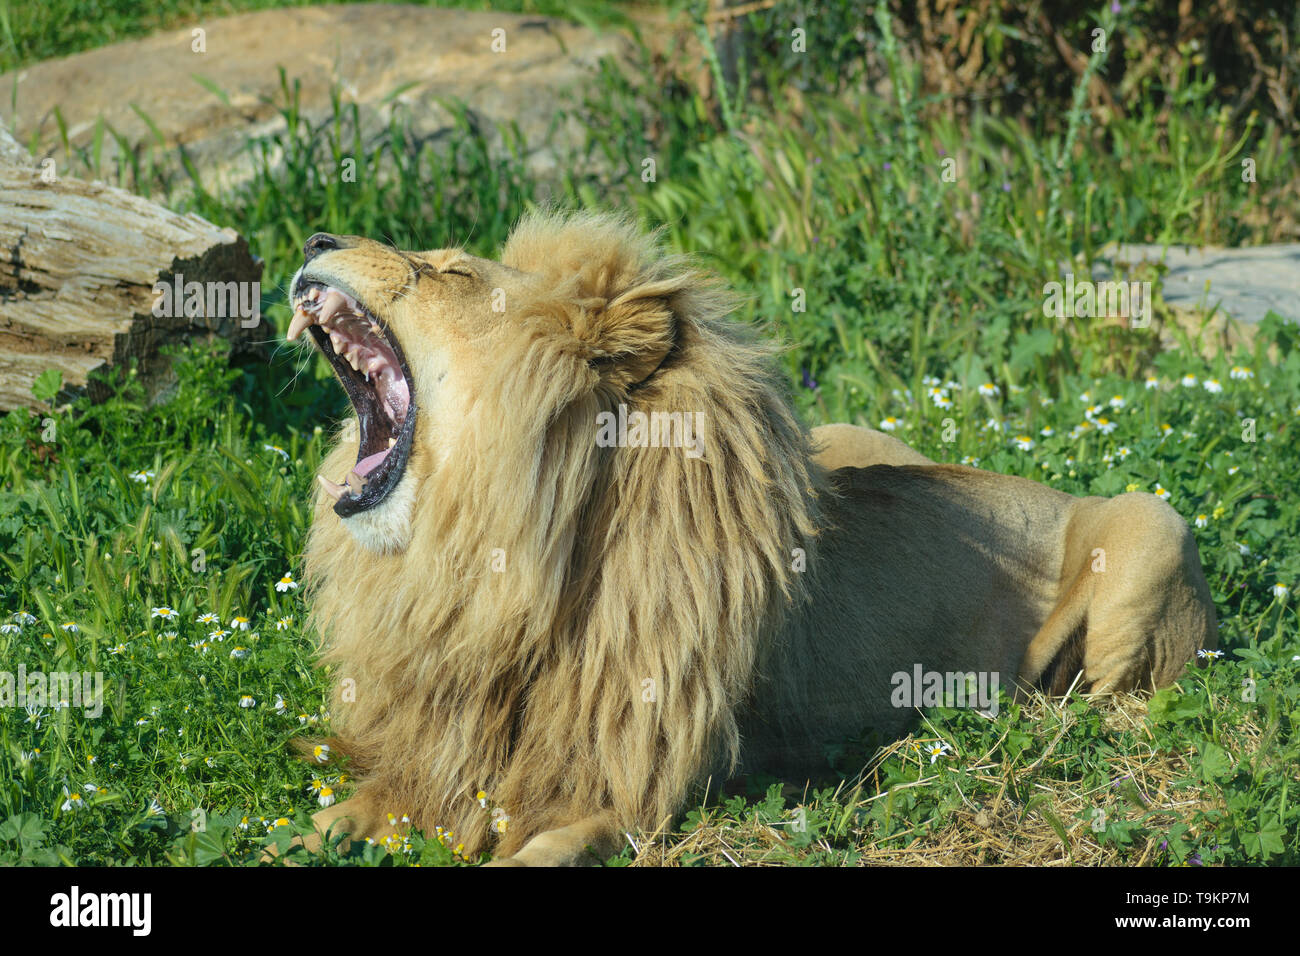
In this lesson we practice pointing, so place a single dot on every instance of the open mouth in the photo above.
(368, 361)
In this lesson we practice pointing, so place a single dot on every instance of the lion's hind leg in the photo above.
(1137, 607)
(1151, 610)
(1055, 655)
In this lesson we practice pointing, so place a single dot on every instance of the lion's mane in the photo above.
(621, 565)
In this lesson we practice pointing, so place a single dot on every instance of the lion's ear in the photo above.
(631, 335)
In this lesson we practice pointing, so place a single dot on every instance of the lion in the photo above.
(575, 552)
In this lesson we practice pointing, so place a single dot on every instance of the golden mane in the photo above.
(547, 579)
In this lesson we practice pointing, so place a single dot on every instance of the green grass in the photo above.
(916, 292)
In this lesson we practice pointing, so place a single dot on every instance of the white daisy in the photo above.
(936, 750)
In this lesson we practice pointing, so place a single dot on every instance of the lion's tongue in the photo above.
(356, 479)
(368, 464)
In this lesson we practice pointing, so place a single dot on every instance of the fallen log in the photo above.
(92, 276)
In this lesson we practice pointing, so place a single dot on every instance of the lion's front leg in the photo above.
(589, 842)
(358, 818)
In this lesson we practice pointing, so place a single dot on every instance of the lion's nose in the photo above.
(317, 244)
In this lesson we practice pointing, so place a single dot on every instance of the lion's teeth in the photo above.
(333, 302)
(392, 442)
(299, 324)
(333, 489)
(313, 293)
(356, 483)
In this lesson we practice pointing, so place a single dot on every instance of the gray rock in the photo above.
(1245, 283)
(371, 51)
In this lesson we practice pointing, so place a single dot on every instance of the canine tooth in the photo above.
(298, 325)
(333, 489)
(392, 442)
(333, 302)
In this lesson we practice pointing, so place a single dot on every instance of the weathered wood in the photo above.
(79, 264)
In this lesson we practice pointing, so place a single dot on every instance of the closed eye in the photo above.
(458, 271)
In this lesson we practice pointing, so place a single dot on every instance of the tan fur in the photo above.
(661, 617)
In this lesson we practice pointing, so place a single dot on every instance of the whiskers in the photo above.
(301, 349)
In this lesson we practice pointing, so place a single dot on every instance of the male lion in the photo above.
(585, 619)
